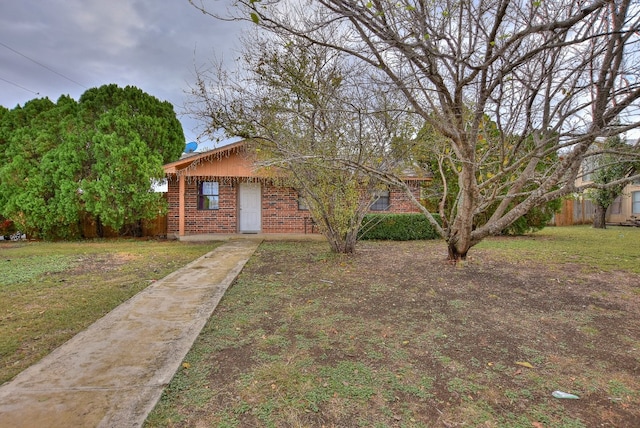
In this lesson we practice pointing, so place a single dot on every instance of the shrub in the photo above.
(536, 219)
(396, 227)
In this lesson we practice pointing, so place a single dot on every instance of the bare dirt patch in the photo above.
(396, 336)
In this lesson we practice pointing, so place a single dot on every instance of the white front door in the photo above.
(250, 208)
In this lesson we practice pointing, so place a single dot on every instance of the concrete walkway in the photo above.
(259, 236)
(112, 374)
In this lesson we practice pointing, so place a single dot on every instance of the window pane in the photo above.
(208, 195)
(208, 203)
(588, 167)
(636, 203)
(302, 204)
(616, 206)
(210, 188)
(382, 203)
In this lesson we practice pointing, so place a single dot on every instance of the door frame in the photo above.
(251, 190)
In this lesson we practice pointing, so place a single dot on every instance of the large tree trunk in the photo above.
(99, 227)
(460, 238)
(456, 254)
(599, 220)
(458, 245)
(342, 244)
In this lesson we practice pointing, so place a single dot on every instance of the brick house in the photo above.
(221, 191)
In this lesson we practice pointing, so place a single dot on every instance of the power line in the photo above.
(43, 66)
(21, 87)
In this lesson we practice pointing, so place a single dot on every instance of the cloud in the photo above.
(149, 44)
(112, 25)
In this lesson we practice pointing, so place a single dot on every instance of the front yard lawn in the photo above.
(51, 291)
(394, 336)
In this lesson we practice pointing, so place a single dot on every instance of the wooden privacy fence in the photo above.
(156, 227)
(574, 211)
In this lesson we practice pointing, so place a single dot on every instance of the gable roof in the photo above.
(189, 158)
(231, 160)
(236, 161)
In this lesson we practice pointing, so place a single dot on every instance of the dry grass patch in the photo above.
(51, 291)
(394, 336)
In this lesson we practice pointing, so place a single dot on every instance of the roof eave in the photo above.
(173, 167)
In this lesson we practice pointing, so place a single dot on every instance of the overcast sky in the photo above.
(50, 48)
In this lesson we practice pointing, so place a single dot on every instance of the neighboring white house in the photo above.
(626, 207)
(579, 209)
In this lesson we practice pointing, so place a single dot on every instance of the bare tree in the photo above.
(553, 76)
(309, 113)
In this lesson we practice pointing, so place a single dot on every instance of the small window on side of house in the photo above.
(381, 201)
(616, 206)
(208, 195)
(302, 203)
(588, 167)
(635, 203)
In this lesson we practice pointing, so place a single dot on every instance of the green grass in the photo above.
(305, 338)
(27, 269)
(51, 291)
(607, 249)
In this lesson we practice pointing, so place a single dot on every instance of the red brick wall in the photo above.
(280, 213)
(400, 202)
(172, 200)
(222, 220)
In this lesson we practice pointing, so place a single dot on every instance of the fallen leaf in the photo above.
(525, 364)
(186, 365)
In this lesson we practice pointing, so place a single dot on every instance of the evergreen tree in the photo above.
(66, 160)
